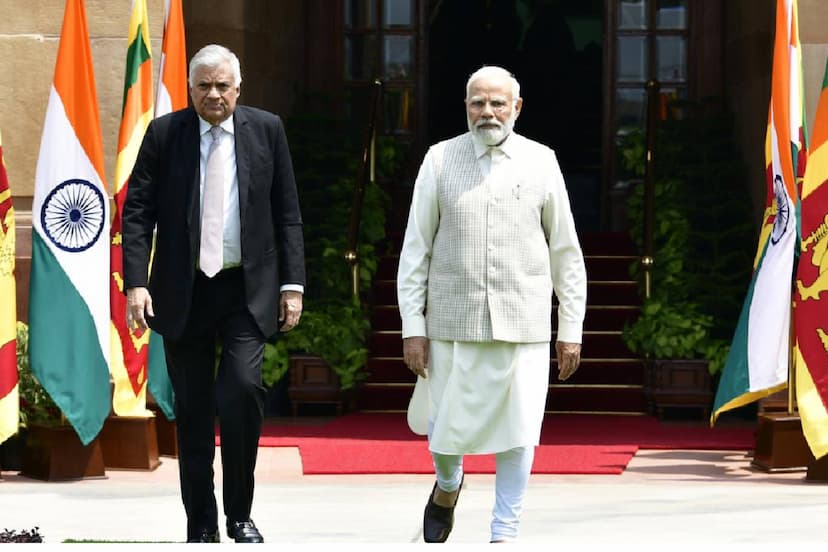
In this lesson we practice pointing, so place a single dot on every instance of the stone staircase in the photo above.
(610, 379)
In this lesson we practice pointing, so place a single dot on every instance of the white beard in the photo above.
(492, 136)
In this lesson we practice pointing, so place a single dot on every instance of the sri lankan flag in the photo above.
(758, 362)
(9, 400)
(129, 349)
(810, 322)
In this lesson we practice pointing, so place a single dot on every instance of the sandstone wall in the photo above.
(29, 35)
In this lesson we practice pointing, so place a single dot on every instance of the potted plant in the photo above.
(52, 449)
(325, 355)
(701, 262)
(675, 340)
(335, 333)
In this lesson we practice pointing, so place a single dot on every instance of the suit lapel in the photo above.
(243, 149)
(190, 142)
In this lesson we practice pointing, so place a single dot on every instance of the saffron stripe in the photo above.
(75, 83)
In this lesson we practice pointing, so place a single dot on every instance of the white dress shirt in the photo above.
(232, 217)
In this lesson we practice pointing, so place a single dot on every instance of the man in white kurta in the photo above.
(490, 236)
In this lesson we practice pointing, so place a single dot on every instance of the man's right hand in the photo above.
(415, 355)
(139, 306)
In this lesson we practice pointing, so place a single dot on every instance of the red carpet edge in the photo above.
(363, 443)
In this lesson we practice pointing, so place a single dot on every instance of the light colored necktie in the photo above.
(212, 210)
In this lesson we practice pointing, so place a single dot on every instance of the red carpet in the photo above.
(570, 444)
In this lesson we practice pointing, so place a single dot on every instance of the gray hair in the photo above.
(211, 57)
(492, 71)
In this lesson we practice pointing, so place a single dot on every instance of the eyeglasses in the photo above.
(497, 105)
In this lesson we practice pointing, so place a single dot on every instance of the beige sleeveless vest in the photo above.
(489, 276)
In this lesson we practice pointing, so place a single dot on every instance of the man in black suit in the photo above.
(233, 280)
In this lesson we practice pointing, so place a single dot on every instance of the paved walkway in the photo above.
(665, 499)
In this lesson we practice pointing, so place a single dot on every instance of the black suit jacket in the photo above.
(163, 193)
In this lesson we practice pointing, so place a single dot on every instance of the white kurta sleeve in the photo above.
(565, 256)
(415, 257)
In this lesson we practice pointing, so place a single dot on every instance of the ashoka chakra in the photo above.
(73, 215)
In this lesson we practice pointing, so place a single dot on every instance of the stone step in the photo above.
(610, 378)
(610, 292)
(390, 397)
(608, 243)
(604, 317)
(596, 344)
(591, 372)
(598, 267)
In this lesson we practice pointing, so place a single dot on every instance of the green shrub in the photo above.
(702, 237)
(36, 406)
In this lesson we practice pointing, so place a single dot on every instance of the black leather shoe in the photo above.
(243, 531)
(206, 536)
(438, 520)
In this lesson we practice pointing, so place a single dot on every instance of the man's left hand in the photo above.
(569, 357)
(290, 309)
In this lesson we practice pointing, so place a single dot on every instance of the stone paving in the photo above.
(665, 499)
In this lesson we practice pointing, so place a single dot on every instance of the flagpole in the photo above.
(791, 365)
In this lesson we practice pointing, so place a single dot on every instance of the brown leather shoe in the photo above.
(243, 531)
(438, 521)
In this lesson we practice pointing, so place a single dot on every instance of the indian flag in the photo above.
(129, 349)
(172, 96)
(172, 84)
(9, 398)
(758, 362)
(810, 322)
(68, 299)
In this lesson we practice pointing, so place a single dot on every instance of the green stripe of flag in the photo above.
(735, 381)
(137, 54)
(64, 350)
(158, 380)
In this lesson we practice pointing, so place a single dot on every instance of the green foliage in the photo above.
(326, 154)
(715, 350)
(670, 330)
(336, 333)
(702, 237)
(36, 406)
(334, 325)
